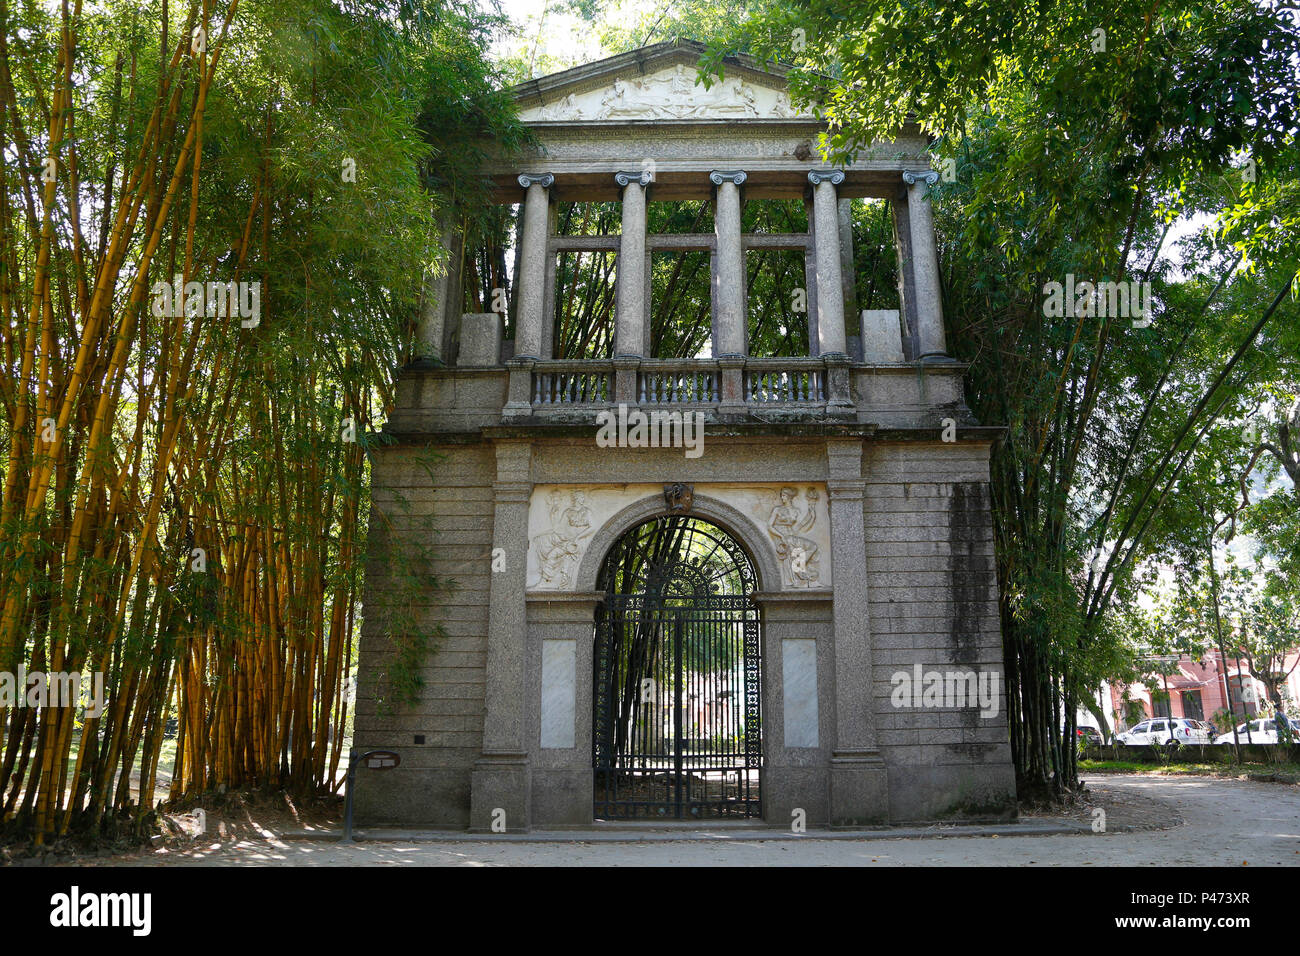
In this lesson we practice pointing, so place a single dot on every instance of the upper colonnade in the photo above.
(636, 128)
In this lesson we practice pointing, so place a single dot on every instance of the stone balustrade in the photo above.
(732, 387)
(785, 381)
(572, 383)
(667, 382)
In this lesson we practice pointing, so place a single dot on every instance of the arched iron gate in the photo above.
(677, 728)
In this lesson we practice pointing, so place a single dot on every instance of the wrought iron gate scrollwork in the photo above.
(677, 702)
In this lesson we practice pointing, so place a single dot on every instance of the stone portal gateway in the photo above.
(677, 719)
(815, 422)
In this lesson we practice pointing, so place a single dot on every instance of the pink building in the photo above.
(1197, 690)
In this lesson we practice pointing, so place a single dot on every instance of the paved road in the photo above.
(1226, 823)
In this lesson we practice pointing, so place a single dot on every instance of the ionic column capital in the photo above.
(734, 176)
(642, 177)
(819, 176)
(927, 176)
(545, 180)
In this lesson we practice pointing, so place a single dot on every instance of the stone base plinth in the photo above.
(859, 791)
(499, 792)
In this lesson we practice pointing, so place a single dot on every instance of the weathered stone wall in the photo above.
(452, 517)
(934, 602)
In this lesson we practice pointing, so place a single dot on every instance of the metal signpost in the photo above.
(374, 760)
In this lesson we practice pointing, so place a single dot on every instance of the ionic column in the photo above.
(729, 324)
(848, 272)
(532, 271)
(629, 304)
(439, 290)
(826, 240)
(925, 265)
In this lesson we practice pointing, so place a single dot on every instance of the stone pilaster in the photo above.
(826, 237)
(729, 320)
(629, 304)
(925, 265)
(859, 789)
(561, 650)
(500, 780)
(530, 310)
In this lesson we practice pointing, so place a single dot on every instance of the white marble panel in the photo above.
(559, 693)
(799, 692)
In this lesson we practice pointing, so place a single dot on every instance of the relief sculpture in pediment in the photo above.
(671, 94)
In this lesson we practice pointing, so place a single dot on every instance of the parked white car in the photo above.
(1262, 731)
(1159, 731)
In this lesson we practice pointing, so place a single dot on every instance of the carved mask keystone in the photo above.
(680, 496)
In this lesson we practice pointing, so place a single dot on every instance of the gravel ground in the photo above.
(1205, 821)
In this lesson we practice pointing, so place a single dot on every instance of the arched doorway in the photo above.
(677, 718)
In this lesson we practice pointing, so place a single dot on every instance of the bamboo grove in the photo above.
(184, 482)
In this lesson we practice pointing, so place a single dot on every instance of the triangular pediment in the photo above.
(656, 83)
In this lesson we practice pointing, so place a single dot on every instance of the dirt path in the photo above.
(1224, 823)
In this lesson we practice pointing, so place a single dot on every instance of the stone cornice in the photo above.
(512, 491)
